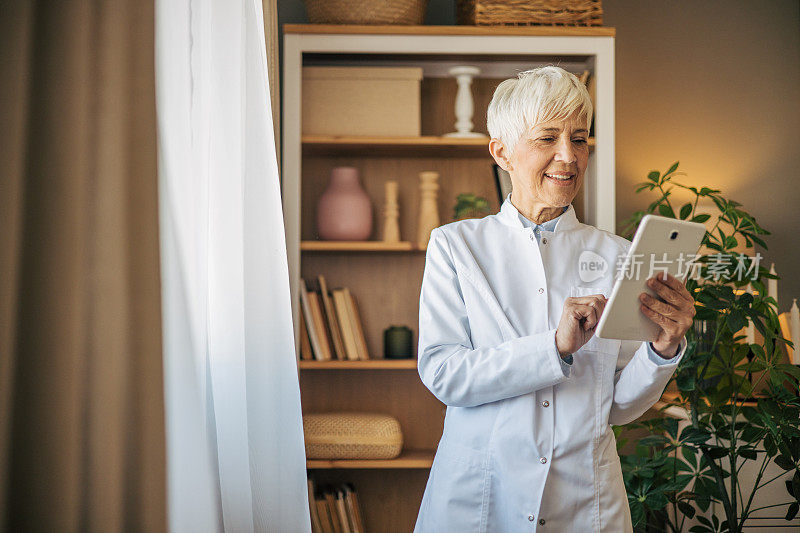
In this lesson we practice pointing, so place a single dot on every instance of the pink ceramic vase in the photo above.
(344, 212)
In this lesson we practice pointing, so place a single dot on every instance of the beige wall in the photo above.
(714, 84)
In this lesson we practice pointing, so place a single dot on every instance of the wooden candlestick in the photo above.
(391, 226)
(428, 210)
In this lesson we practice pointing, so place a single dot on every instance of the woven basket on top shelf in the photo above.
(408, 12)
(531, 12)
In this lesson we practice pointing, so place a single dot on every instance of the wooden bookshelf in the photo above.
(373, 364)
(427, 145)
(359, 246)
(530, 31)
(385, 279)
(408, 459)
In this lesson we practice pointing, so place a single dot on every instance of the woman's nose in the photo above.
(565, 151)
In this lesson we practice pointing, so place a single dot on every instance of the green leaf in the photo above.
(757, 240)
(748, 453)
(717, 452)
(796, 485)
(672, 169)
(792, 511)
(685, 382)
(686, 211)
(701, 218)
(686, 509)
(653, 176)
(736, 321)
(656, 501)
(666, 211)
(785, 462)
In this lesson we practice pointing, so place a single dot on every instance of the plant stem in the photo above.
(771, 480)
(771, 506)
(746, 511)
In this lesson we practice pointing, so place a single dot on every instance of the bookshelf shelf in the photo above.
(359, 246)
(426, 145)
(375, 364)
(408, 459)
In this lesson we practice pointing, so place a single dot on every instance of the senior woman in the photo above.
(506, 337)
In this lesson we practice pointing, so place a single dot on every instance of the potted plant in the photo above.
(470, 206)
(738, 398)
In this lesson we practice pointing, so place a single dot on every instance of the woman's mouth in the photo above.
(561, 179)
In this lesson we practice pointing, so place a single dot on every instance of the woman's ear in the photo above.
(500, 154)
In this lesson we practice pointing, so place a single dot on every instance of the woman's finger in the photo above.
(674, 284)
(664, 308)
(588, 312)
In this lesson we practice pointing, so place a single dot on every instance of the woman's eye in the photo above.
(580, 141)
(547, 139)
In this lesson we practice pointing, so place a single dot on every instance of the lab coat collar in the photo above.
(509, 215)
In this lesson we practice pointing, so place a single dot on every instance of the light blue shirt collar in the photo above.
(550, 225)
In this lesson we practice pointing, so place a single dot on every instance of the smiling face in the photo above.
(547, 166)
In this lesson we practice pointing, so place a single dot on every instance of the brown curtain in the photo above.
(270, 9)
(81, 393)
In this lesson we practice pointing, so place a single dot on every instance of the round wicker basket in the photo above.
(408, 12)
(352, 436)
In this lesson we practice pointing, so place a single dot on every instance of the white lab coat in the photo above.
(527, 443)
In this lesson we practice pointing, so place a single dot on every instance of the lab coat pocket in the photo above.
(458, 495)
(613, 501)
(596, 344)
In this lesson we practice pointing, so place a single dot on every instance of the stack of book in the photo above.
(334, 509)
(330, 325)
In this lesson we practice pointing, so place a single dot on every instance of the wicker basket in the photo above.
(409, 12)
(531, 12)
(352, 436)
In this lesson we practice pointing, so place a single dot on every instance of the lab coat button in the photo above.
(541, 290)
(530, 518)
(531, 236)
(543, 460)
(541, 521)
(544, 241)
(545, 404)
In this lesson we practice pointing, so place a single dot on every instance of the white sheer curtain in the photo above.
(234, 430)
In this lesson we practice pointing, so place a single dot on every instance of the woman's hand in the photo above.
(674, 315)
(578, 320)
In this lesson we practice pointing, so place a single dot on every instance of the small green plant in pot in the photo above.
(738, 399)
(469, 205)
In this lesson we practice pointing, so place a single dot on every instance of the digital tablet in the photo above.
(660, 244)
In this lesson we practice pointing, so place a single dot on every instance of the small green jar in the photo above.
(397, 343)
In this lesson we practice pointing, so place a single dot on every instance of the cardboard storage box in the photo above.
(362, 101)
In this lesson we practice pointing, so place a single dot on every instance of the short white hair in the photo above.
(534, 96)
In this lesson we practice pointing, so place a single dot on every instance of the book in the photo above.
(341, 305)
(333, 323)
(331, 501)
(341, 511)
(358, 330)
(353, 509)
(324, 515)
(305, 343)
(316, 525)
(320, 327)
(305, 303)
